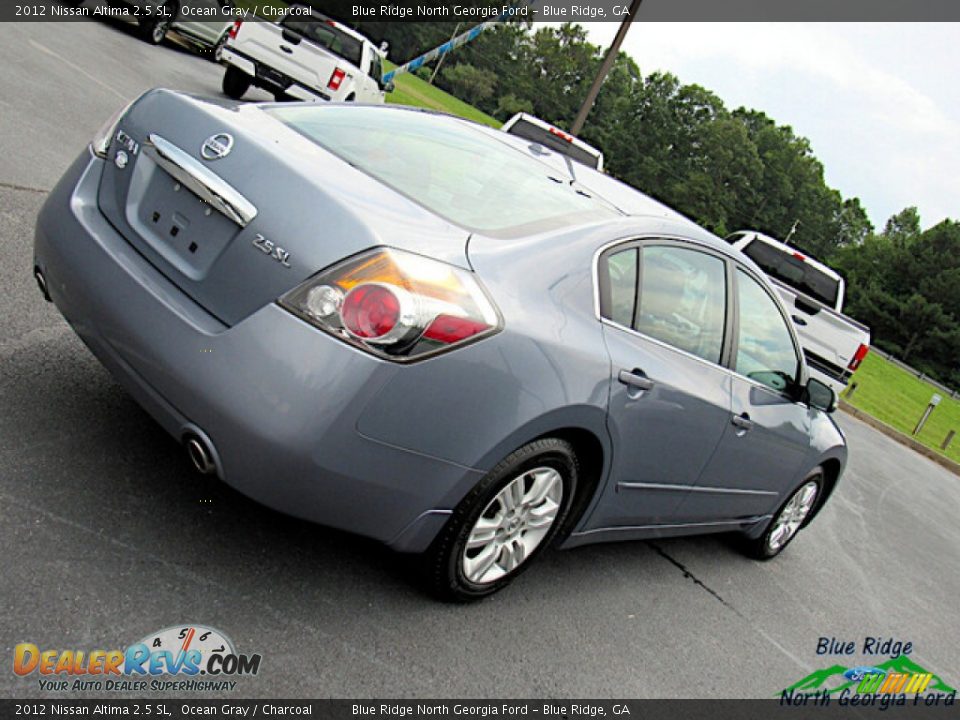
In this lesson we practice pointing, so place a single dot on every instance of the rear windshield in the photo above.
(530, 131)
(449, 166)
(331, 38)
(794, 272)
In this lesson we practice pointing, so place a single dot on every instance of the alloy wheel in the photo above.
(792, 516)
(512, 525)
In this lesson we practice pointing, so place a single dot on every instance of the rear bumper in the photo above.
(278, 399)
(270, 79)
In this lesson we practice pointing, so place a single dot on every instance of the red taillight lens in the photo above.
(232, 33)
(335, 79)
(370, 311)
(560, 134)
(395, 304)
(450, 329)
(858, 356)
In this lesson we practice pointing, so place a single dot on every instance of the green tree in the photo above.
(470, 83)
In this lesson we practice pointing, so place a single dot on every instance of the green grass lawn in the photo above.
(412, 90)
(898, 399)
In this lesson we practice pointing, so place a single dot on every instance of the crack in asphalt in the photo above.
(690, 576)
(23, 188)
(697, 581)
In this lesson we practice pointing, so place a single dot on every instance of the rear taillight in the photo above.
(858, 356)
(101, 141)
(335, 79)
(395, 304)
(232, 32)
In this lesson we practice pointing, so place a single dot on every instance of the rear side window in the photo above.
(793, 271)
(765, 351)
(328, 37)
(622, 281)
(681, 300)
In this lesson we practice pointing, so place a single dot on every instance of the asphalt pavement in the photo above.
(107, 535)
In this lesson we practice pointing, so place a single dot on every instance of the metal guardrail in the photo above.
(916, 373)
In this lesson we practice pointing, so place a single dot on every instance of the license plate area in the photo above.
(186, 231)
(274, 77)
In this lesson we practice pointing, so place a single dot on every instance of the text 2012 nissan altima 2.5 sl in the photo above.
(434, 334)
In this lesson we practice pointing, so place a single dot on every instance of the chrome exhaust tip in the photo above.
(200, 456)
(42, 284)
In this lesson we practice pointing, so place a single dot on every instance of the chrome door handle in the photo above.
(204, 183)
(742, 422)
(636, 379)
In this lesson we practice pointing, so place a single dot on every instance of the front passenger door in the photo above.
(768, 432)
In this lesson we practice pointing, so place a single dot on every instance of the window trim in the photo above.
(602, 289)
(731, 316)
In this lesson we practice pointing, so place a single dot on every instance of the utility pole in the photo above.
(604, 69)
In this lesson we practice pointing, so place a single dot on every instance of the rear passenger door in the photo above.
(664, 308)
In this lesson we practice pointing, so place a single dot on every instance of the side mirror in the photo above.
(389, 87)
(820, 395)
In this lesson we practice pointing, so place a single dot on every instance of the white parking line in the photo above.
(93, 78)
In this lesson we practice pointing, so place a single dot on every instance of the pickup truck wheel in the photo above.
(153, 28)
(235, 83)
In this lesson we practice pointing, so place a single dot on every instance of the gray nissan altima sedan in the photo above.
(434, 334)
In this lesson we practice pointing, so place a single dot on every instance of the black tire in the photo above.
(235, 83)
(443, 562)
(760, 548)
(153, 28)
(350, 98)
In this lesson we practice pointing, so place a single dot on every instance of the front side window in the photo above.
(765, 350)
(376, 68)
(683, 299)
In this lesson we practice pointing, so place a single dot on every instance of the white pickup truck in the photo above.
(833, 343)
(303, 56)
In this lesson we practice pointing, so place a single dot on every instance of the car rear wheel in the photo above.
(789, 519)
(154, 27)
(504, 523)
(235, 83)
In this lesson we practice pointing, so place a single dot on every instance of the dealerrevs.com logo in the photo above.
(181, 658)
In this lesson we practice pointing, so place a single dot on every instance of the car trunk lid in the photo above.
(236, 208)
